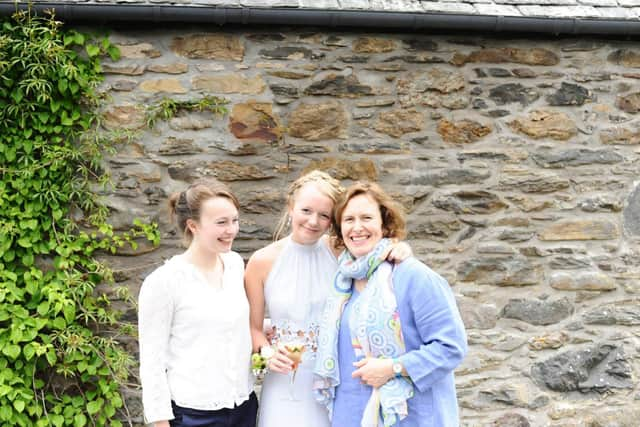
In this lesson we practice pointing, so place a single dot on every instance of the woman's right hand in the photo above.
(161, 424)
(280, 362)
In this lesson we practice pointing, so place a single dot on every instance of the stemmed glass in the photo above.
(295, 350)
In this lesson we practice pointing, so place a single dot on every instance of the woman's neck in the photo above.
(204, 261)
(360, 284)
(294, 240)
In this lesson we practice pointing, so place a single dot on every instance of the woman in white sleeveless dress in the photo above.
(292, 278)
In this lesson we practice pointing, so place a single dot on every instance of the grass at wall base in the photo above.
(60, 361)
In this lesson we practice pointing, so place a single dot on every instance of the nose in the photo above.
(313, 220)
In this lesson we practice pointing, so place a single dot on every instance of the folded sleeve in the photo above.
(155, 313)
(437, 322)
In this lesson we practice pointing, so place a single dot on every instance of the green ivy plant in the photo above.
(60, 361)
(168, 108)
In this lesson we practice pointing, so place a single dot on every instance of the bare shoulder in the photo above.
(262, 260)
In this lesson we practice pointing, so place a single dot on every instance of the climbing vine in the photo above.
(168, 108)
(60, 361)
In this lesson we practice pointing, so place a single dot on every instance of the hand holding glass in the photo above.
(294, 352)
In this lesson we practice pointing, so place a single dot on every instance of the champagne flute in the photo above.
(294, 352)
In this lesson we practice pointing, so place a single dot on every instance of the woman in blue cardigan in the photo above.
(391, 335)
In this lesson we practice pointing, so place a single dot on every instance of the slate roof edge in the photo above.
(416, 21)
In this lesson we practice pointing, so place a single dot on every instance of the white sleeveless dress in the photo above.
(295, 292)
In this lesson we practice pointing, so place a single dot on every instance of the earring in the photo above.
(288, 221)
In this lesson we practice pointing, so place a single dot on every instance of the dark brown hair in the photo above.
(187, 204)
(393, 222)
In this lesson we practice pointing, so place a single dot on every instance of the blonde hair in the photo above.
(324, 182)
(393, 222)
(187, 204)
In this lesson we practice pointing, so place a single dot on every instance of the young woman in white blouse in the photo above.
(195, 342)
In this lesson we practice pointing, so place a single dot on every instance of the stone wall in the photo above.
(517, 160)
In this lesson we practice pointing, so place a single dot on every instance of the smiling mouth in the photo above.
(357, 239)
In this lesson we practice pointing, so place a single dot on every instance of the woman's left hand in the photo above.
(373, 372)
(397, 252)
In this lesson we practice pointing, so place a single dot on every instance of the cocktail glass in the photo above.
(294, 352)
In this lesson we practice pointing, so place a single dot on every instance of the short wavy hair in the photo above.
(393, 220)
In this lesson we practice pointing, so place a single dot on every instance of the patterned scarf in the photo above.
(374, 324)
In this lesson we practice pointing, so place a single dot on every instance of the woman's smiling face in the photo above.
(361, 225)
(310, 214)
(217, 227)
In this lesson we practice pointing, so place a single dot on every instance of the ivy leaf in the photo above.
(9, 255)
(30, 224)
(5, 389)
(109, 410)
(114, 53)
(11, 350)
(19, 405)
(68, 39)
(65, 120)
(59, 323)
(17, 96)
(10, 154)
(54, 105)
(25, 242)
(51, 357)
(79, 420)
(92, 50)
(43, 308)
(29, 351)
(5, 412)
(79, 38)
(56, 420)
(31, 286)
(63, 84)
(27, 259)
(28, 147)
(116, 401)
(93, 407)
(43, 116)
(69, 312)
(16, 335)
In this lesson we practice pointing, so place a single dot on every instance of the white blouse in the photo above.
(195, 342)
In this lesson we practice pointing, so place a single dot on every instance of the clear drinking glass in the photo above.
(294, 352)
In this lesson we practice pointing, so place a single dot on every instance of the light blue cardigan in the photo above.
(435, 341)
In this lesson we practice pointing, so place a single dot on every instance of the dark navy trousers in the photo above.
(240, 416)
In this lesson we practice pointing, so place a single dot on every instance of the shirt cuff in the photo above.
(159, 414)
(411, 364)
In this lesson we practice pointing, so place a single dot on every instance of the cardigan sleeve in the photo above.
(155, 313)
(437, 321)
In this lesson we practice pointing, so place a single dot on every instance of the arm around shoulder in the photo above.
(438, 322)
